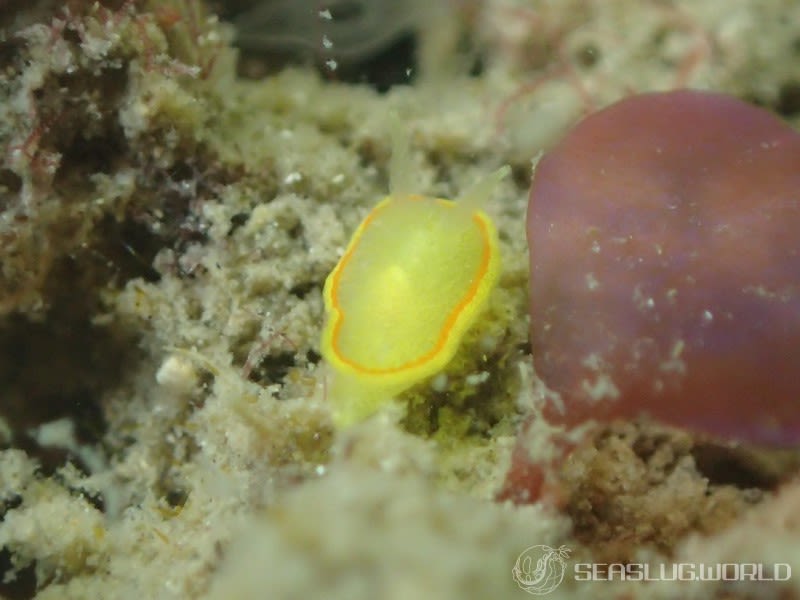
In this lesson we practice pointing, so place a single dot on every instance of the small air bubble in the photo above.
(476, 378)
(439, 383)
(293, 177)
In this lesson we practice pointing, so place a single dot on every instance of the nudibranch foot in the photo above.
(352, 400)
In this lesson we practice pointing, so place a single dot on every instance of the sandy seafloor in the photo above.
(166, 226)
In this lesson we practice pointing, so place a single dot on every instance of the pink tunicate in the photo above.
(664, 236)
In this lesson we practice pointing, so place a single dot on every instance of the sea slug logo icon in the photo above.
(547, 573)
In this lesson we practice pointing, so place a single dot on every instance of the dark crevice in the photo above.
(273, 368)
(740, 467)
(238, 220)
(313, 357)
(301, 290)
(789, 99)
(23, 585)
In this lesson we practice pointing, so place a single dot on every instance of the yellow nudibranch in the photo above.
(415, 275)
